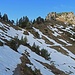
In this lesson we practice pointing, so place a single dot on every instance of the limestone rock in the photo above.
(68, 17)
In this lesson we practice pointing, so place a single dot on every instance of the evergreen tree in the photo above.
(12, 21)
(34, 46)
(37, 50)
(45, 54)
(14, 43)
(21, 40)
(39, 20)
(37, 35)
(17, 23)
(26, 19)
(0, 15)
(34, 21)
(5, 17)
(20, 21)
(25, 22)
(73, 36)
(25, 40)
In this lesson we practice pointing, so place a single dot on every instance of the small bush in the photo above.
(1, 44)
(36, 49)
(34, 46)
(13, 44)
(37, 35)
(73, 36)
(37, 72)
(45, 54)
(46, 31)
(24, 40)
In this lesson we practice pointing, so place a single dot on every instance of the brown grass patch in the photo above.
(71, 48)
(59, 49)
(47, 41)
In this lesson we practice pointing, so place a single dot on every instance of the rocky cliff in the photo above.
(67, 17)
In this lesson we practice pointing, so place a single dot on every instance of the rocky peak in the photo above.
(68, 17)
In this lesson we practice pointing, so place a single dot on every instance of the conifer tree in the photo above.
(0, 15)
(5, 17)
(17, 23)
(45, 54)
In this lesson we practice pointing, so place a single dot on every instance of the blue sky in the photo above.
(34, 8)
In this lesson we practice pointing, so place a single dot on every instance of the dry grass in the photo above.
(23, 69)
(59, 49)
(53, 69)
(47, 41)
(71, 48)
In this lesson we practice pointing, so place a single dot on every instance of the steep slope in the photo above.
(25, 61)
(8, 60)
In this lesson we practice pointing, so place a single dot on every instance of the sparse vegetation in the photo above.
(37, 72)
(5, 18)
(46, 31)
(45, 54)
(35, 49)
(73, 36)
(40, 24)
(23, 69)
(1, 44)
(37, 35)
(23, 41)
(24, 22)
(15, 42)
(39, 20)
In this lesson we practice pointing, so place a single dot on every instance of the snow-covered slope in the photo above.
(8, 60)
(63, 62)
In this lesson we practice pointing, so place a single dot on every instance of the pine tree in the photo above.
(12, 21)
(45, 54)
(0, 15)
(17, 23)
(25, 40)
(37, 50)
(34, 46)
(20, 21)
(25, 22)
(5, 17)
(34, 21)
(39, 20)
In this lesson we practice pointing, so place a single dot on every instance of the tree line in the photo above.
(16, 42)
(24, 22)
(5, 18)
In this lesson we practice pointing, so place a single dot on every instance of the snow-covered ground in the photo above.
(63, 62)
(33, 57)
(9, 58)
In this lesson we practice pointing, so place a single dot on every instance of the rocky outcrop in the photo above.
(68, 17)
(51, 16)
